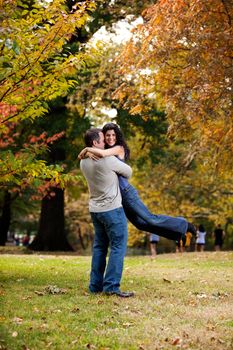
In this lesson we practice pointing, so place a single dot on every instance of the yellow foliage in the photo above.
(187, 46)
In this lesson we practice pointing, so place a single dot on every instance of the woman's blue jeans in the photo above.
(110, 231)
(139, 215)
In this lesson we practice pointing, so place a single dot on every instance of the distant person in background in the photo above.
(180, 247)
(154, 239)
(219, 235)
(16, 239)
(26, 240)
(200, 241)
(187, 246)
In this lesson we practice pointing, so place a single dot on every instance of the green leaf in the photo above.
(15, 48)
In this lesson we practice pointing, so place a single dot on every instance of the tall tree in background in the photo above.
(52, 233)
(33, 72)
(181, 57)
(187, 48)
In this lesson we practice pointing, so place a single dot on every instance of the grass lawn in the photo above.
(183, 301)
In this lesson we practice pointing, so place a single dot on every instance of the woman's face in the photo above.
(110, 138)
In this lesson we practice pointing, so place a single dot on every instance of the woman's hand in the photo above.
(90, 152)
(92, 156)
(83, 153)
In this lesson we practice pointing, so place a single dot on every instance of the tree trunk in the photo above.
(5, 219)
(51, 235)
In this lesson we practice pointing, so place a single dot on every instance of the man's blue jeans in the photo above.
(110, 231)
(139, 215)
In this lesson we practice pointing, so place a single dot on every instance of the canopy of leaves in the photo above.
(182, 57)
(34, 70)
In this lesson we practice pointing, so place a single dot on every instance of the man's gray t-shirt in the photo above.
(102, 179)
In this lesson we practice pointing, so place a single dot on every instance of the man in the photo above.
(219, 235)
(108, 217)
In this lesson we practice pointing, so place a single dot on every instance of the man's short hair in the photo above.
(92, 135)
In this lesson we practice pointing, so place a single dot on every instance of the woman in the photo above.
(200, 241)
(136, 212)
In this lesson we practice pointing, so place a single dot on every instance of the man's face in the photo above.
(99, 144)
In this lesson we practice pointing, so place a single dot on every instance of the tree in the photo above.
(63, 151)
(26, 147)
(33, 70)
(182, 57)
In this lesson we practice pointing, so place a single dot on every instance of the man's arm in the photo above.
(119, 167)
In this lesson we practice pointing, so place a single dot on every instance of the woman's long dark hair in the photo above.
(120, 140)
(201, 228)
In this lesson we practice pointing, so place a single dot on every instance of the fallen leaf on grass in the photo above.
(17, 320)
(202, 296)
(51, 290)
(44, 326)
(49, 344)
(166, 280)
(210, 327)
(219, 295)
(55, 290)
(57, 310)
(39, 293)
(185, 334)
(76, 309)
(127, 324)
(176, 341)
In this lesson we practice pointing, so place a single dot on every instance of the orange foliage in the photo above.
(187, 46)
